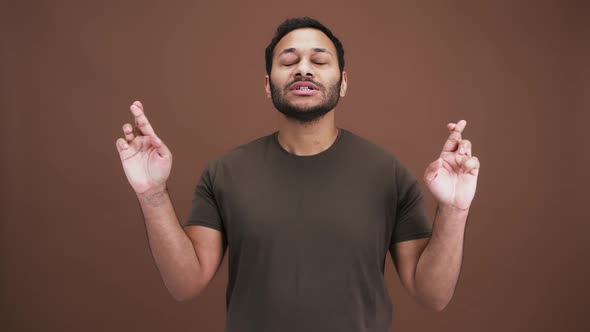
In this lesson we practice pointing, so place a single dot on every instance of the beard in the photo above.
(305, 115)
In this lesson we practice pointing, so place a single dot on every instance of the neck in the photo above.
(307, 139)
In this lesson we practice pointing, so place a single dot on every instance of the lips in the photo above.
(303, 86)
(304, 89)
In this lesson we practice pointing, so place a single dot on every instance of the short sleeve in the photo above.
(205, 209)
(410, 221)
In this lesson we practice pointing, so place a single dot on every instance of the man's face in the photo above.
(305, 81)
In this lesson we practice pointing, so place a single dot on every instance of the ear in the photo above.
(343, 84)
(267, 85)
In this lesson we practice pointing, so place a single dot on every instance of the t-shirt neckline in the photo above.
(275, 139)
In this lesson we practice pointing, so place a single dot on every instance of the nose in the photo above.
(304, 68)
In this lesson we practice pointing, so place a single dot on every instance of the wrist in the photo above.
(450, 210)
(153, 196)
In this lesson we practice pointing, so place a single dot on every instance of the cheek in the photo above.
(279, 75)
(275, 85)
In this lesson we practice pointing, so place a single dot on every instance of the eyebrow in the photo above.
(315, 49)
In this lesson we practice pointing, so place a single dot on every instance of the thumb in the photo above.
(432, 170)
(161, 148)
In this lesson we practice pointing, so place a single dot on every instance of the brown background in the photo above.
(74, 253)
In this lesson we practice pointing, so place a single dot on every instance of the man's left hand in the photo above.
(452, 178)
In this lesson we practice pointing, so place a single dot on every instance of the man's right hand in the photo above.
(146, 159)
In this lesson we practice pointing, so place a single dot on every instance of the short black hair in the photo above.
(300, 23)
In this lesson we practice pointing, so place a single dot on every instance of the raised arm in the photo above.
(429, 268)
(186, 262)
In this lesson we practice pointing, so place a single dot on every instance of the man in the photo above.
(309, 211)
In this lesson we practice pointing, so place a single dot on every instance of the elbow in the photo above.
(433, 299)
(178, 297)
(185, 294)
(184, 287)
(434, 303)
(438, 307)
(433, 307)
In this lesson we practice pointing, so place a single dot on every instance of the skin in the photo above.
(189, 258)
(429, 268)
(322, 67)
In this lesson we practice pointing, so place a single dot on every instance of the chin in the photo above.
(304, 105)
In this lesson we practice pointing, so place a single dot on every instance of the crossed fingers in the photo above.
(141, 123)
(142, 128)
(461, 147)
(454, 139)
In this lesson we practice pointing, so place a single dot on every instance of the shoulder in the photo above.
(373, 153)
(241, 154)
(246, 150)
(364, 147)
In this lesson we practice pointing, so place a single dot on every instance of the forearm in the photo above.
(171, 248)
(439, 264)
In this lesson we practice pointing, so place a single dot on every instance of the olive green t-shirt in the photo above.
(308, 235)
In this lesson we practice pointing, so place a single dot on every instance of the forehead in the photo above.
(305, 39)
